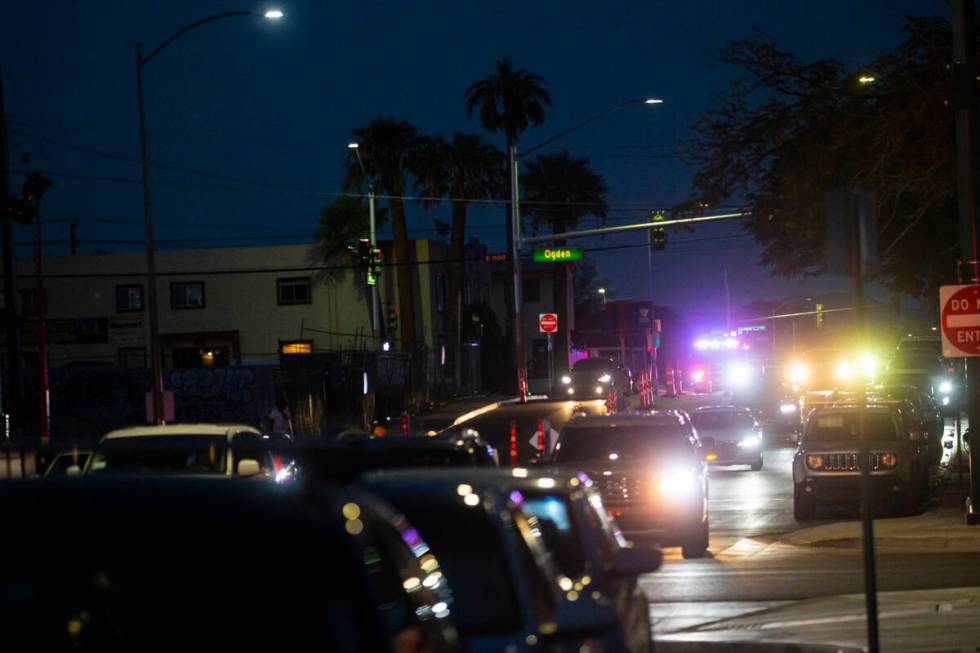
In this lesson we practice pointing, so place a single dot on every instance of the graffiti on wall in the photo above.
(226, 394)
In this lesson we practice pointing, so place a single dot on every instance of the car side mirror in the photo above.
(75, 470)
(586, 618)
(948, 444)
(248, 467)
(635, 561)
(708, 442)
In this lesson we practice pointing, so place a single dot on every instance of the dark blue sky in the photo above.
(274, 103)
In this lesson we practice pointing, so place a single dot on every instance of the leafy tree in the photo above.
(462, 169)
(559, 191)
(788, 130)
(508, 101)
(389, 147)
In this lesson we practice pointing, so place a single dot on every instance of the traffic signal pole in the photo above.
(15, 391)
(518, 290)
(964, 100)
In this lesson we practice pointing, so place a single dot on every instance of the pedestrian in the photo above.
(281, 420)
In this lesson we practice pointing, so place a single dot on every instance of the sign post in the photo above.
(959, 320)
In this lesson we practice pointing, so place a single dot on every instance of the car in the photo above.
(924, 412)
(508, 596)
(650, 470)
(589, 549)
(345, 460)
(826, 465)
(592, 378)
(163, 564)
(225, 450)
(730, 435)
(67, 463)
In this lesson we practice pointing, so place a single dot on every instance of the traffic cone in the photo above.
(671, 391)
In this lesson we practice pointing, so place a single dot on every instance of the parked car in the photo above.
(650, 470)
(826, 467)
(730, 435)
(925, 414)
(199, 563)
(507, 592)
(345, 460)
(595, 378)
(228, 450)
(589, 549)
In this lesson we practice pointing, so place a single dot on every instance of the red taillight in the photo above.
(888, 459)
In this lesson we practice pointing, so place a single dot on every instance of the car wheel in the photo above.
(757, 465)
(697, 544)
(803, 507)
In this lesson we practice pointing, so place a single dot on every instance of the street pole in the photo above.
(44, 399)
(15, 362)
(515, 219)
(653, 310)
(867, 517)
(964, 98)
(156, 363)
(375, 307)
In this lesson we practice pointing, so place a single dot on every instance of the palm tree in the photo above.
(559, 191)
(388, 147)
(509, 100)
(463, 169)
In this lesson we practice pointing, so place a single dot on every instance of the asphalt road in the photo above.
(749, 569)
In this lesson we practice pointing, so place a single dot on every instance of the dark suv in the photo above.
(826, 468)
(595, 378)
(650, 470)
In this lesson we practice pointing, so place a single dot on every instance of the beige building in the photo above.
(217, 307)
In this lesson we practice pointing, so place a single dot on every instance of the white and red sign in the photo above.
(548, 322)
(960, 320)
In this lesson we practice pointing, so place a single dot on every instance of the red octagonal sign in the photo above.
(960, 320)
(547, 322)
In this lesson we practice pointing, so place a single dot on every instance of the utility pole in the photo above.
(964, 100)
(15, 389)
(515, 253)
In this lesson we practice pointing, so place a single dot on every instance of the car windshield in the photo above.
(620, 443)
(843, 427)
(170, 454)
(471, 552)
(558, 529)
(593, 365)
(722, 420)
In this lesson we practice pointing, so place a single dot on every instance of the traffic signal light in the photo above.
(819, 315)
(374, 266)
(658, 235)
(391, 319)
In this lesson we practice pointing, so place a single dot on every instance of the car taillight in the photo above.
(888, 459)
(814, 462)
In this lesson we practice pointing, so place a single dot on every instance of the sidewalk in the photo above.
(942, 529)
(936, 620)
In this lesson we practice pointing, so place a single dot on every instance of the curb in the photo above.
(482, 410)
(677, 644)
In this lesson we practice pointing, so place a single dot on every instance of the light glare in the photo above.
(273, 14)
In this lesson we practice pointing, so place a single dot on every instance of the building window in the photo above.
(290, 347)
(187, 295)
(132, 358)
(531, 290)
(294, 291)
(129, 298)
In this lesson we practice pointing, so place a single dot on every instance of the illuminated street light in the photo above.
(353, 146)
(273, 14)
(866, 79)
(653, 100)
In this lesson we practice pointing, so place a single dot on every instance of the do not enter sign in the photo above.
(960, 320)
(548, 322)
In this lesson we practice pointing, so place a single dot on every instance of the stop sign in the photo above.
(960, 320)
(547, 322)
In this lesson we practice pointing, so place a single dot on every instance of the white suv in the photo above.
(229, 450)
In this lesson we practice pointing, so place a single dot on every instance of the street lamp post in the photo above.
(156, 363)
(514, 158)
(372, 228)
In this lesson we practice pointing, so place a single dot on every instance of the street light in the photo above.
(602, 294)
(375, 307)
(156, 363)
(516, 229)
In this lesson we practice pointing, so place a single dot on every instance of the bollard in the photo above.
(513, 443)
(404, 423)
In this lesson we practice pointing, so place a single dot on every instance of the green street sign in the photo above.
(555, 254)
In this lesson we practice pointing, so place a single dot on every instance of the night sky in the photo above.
(266, 109)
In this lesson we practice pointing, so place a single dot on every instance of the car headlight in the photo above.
(566, 379)
(814, 461)
(598, 389)
(888, 460)
(946, 387)
(946, 400)
(844, 371)
(678, 482)
(750, 441)
(869, 364)
(605, 378)
(739, 374)
(798, 373)
(571, 391)
(787, 409)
